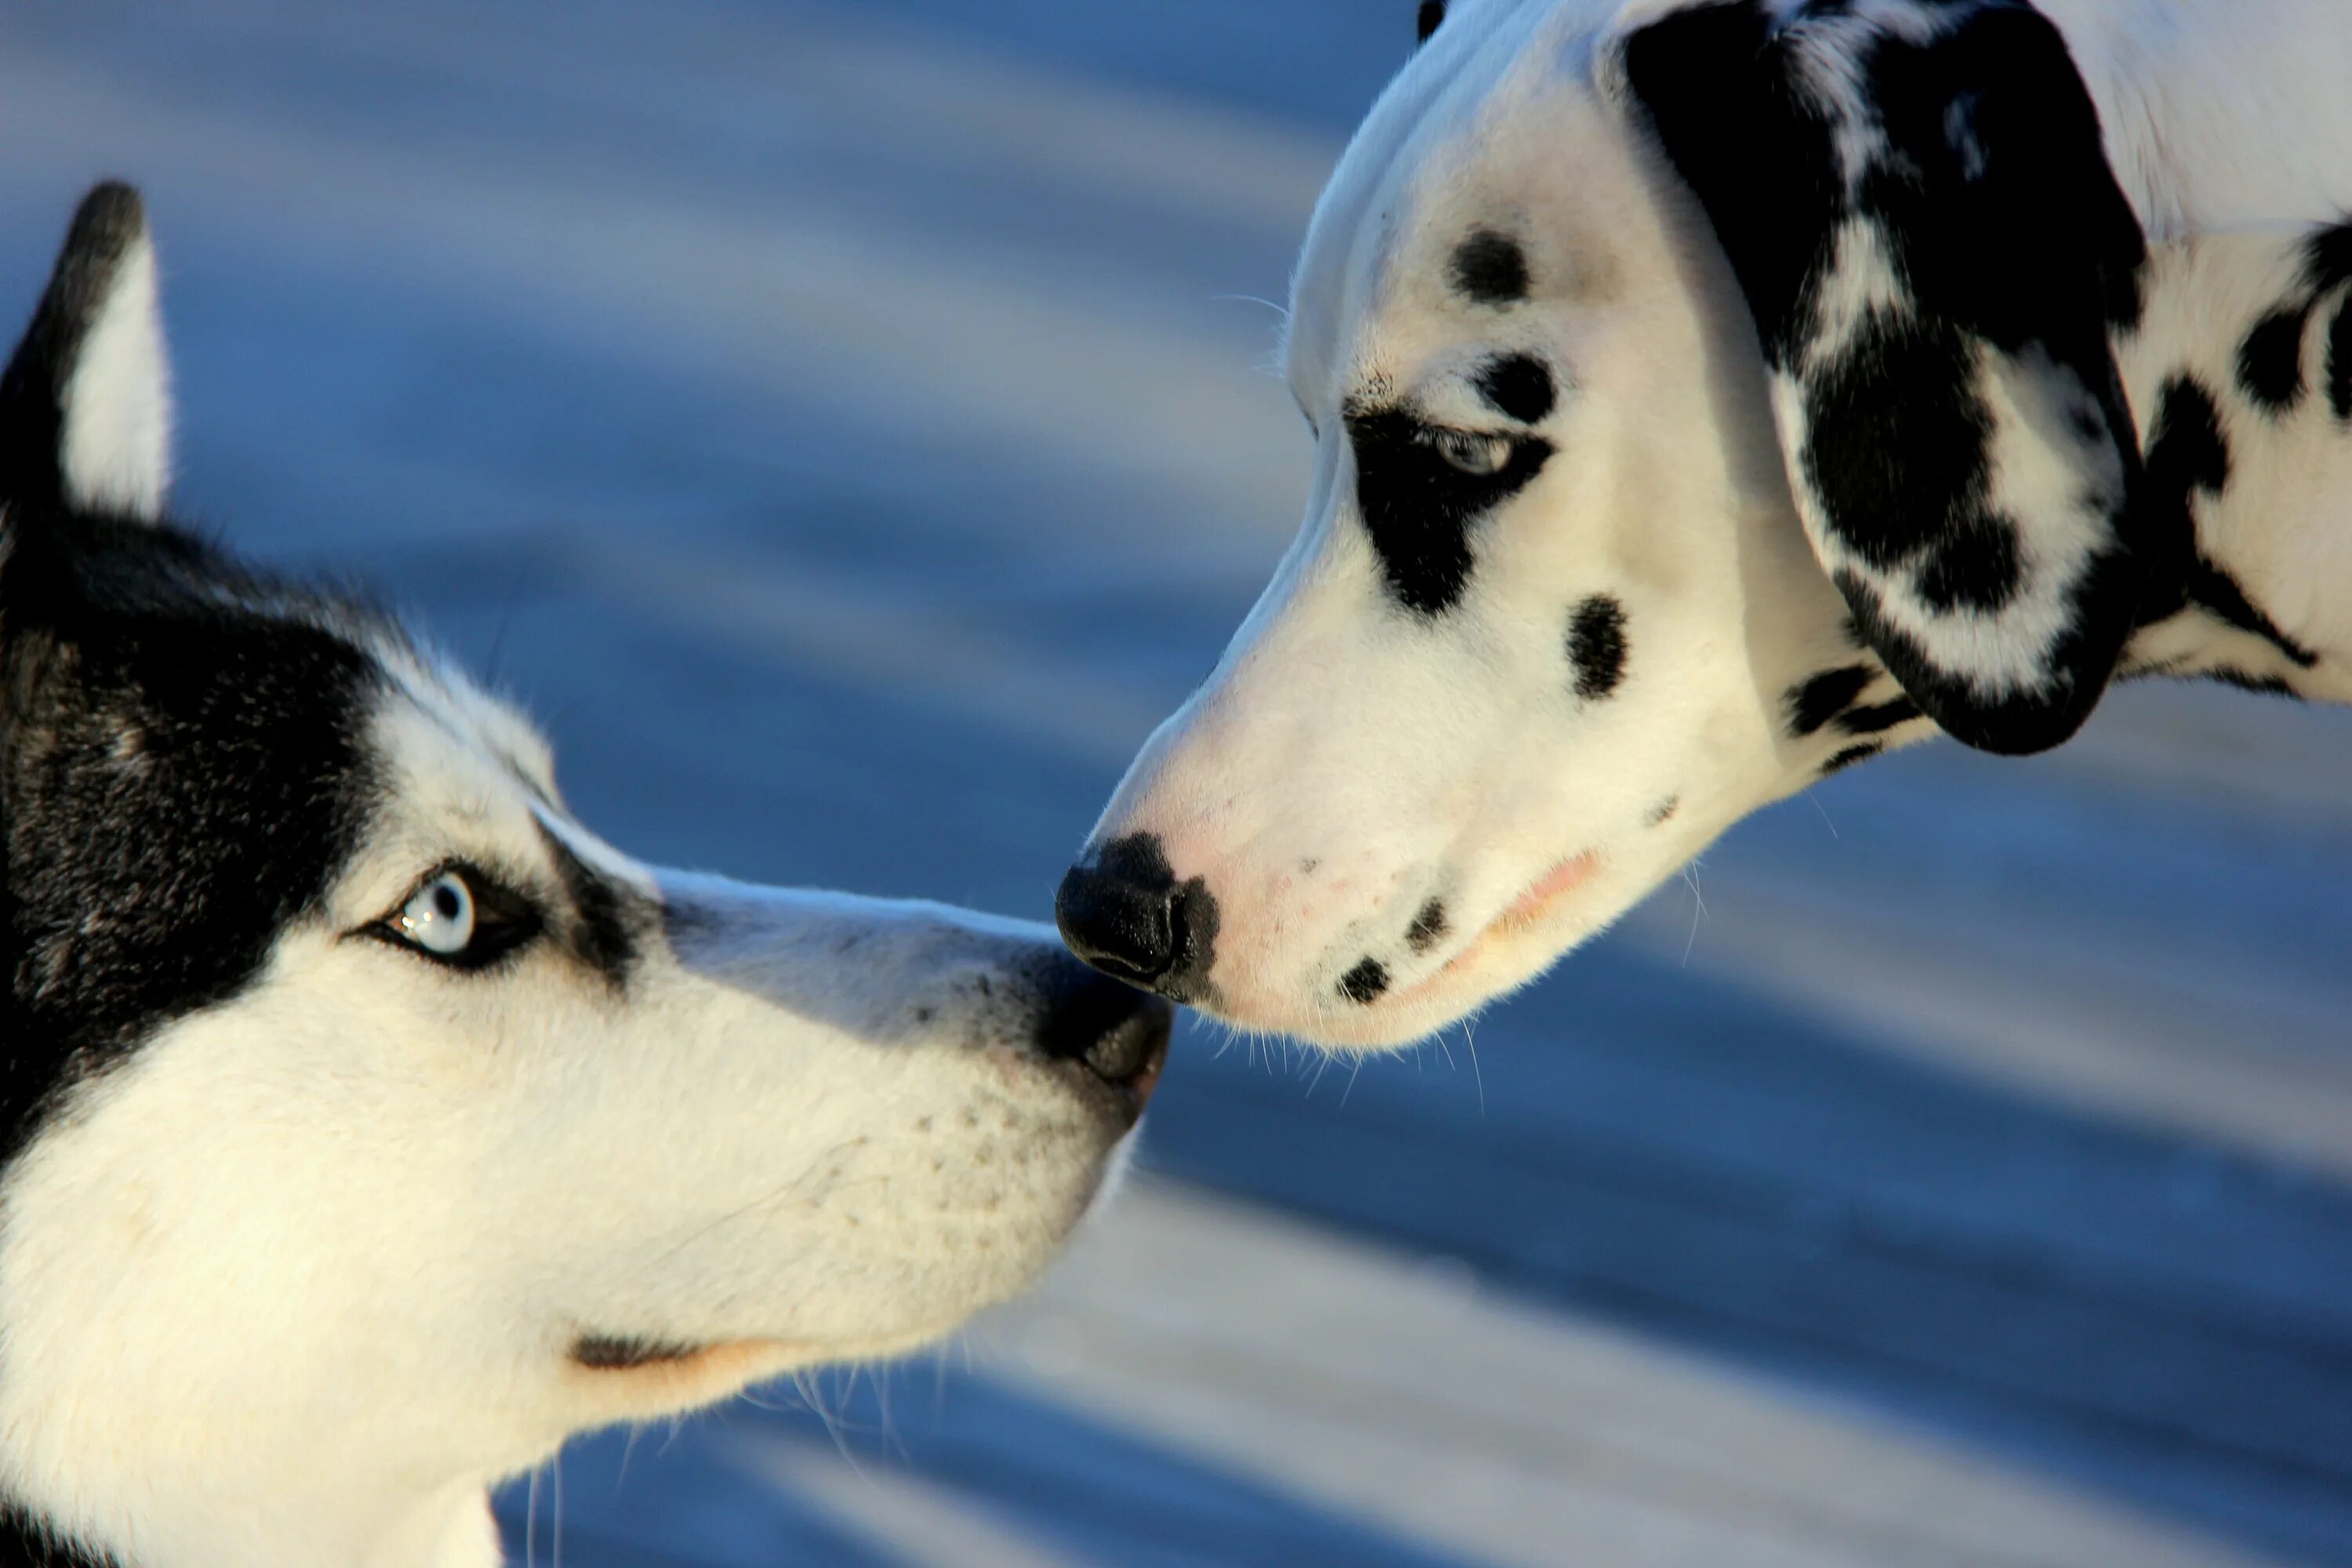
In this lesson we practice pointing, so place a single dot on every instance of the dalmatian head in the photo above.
(1704, 396)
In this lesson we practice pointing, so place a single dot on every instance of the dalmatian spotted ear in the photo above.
(1915, 200)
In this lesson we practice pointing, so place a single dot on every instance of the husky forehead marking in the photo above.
(153, 853)
(367, 1114)
(1904, 365)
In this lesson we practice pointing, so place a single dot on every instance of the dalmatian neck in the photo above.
(2240, 376)
(2239, 371)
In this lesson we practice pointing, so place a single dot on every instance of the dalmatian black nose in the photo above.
(1120, 1033)
(1124, 913)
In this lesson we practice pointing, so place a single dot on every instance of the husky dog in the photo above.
(1710, 395)
(367, 1125)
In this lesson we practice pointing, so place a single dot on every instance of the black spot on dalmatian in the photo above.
(1757, 152)
(2185, 450)
(1974, 567)
(1984, 182)
(1879, 718)
(2188, 455)
(1427, 926)
(1868, 454)
(2213, 590)
(1849, 757)
(1491, 269)
(1663, 812)
(2270, 361)
(1596, 647)
(1364, 984)
(1425, 21)
(1816, 701)
(2260, 685)
(1518, 385)
(1419, 508)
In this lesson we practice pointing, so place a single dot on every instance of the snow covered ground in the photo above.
(842, 420)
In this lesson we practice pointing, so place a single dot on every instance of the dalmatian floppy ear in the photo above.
(1915, 200)
(86, 402)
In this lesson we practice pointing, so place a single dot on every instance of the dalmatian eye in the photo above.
(459, 918)
(1482, 456)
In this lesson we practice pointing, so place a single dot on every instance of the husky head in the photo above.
(1704, 396)
(369, 1125)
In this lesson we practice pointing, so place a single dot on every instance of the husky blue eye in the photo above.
(440, 918)
(462, 918)
(459, 917)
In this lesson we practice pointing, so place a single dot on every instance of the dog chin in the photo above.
(1507, 956)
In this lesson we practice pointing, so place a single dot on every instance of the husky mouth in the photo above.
(626, 1352)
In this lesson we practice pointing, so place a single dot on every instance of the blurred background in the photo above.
(847, 425)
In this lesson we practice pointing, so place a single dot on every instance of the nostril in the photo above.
(1125, 913)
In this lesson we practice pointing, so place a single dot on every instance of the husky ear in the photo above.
(86, 402)
(1917, 205)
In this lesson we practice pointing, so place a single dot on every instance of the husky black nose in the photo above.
(1124, 913)
(1118, 1031)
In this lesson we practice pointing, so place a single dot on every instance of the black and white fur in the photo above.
(366, 1125)
(1713, 394)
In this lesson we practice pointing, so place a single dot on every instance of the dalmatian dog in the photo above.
(1710, 395)
(368, 1125)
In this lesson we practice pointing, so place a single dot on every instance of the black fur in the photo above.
(1596, 647)
(2188, 455)
(1663, 812)
(1879, 718)
(1986, 185)
(180, 779)
(1518, 385)
(2217, 593)
(1419, 508)
(1491, 269)
(1364, 984)
(1427, 927)
(1815, 702)
(2270, 361)
(2339, 363)
(26, 1542)
(1426, 20)
(607, 923)
(2260, 685)
(1849, 756)
(625, 1352)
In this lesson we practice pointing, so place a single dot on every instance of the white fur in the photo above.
(117, 441)
(295, 1283)
(1344, 764)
